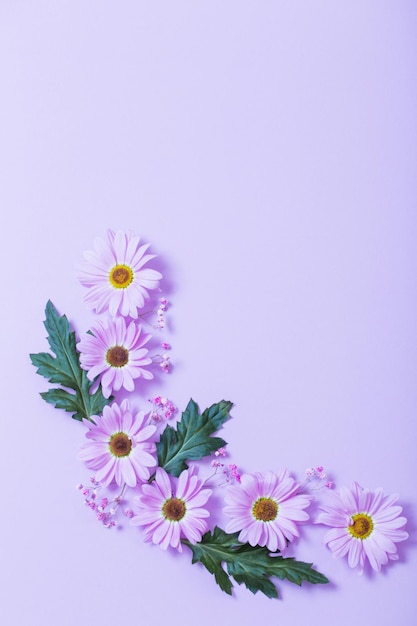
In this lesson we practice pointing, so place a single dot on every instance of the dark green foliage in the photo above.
(192, 439)
(64, 369)
(253, 567)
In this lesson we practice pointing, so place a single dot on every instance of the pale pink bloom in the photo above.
(266, 508)
(172, 508)
(115, 274)
(119, 447)
(115, 352)
(365, 526)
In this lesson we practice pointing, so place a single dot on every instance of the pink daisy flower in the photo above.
(266, 508)
(115, 276)
(170, 508)
(115, 352)
(119, 449)
(365, 526)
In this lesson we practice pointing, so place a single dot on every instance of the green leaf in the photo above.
(64, 369)
(192, 440)
(252, 566)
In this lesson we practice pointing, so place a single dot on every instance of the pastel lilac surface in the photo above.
(268, 151)
(366, 526)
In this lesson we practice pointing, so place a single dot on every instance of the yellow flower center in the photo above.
(121, 276)
(120, 444)
(362, 526)
(174, 509)
(265, 509)
(117, 356)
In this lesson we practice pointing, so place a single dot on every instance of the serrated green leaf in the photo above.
(252, 566)
(192, 440)
(253, 581)
(62, 399)
(64, 369)
(211, 563)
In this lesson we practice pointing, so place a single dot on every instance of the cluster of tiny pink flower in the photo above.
(160, 314)
(162, 409)
(165, 363)
(317, 474)
(232, 473)
(164, 360)
(105, 509)
(229, 471)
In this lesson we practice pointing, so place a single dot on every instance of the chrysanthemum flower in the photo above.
(365, 525)
(171, 508)
(266, 508)
(115, 275)
(116, 353)
(119, 449)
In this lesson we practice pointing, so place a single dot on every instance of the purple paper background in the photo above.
(268, 152)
